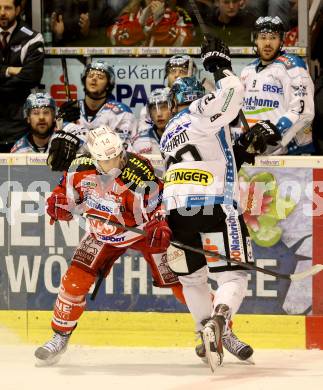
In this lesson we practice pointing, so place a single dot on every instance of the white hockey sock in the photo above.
(197, 295)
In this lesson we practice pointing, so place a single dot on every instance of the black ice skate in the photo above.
(237, 347)
(212, 338)
(232, 344)
(50, 353)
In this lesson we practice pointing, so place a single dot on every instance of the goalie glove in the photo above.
(264, 135)
(62, 152)
(215, 54)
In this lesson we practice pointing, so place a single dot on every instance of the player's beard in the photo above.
(98, 95)
(271, 57)
(42, 135)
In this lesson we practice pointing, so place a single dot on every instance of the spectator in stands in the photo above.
(74, 19)
(117, 5)
(152, 23)
(281, 8)
(278, 91)
(21, 69)
(231, 23)
(39, 110)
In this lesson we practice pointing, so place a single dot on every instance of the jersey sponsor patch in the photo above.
(102, 228)
(300, 90)
(252, 103)
(234, 234)
(227, 100)
(188, 176)
(214, 242)
(272, 88)
(108, 206)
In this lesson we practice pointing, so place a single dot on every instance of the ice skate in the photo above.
(212, 338)
(50, 353)
(200, 348)
(237, 347)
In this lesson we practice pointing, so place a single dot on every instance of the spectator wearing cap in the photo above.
(21, 69)
(39, 111)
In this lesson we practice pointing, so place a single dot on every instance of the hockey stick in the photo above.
(293, 277)
(205, 30)
(66, 81)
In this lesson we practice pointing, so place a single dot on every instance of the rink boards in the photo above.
(34, 255)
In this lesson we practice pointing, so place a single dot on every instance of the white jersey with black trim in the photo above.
(200, 165)
(117, 116)
(146, 142)
(282, 92)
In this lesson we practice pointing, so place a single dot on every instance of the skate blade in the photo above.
(250, 361)
(47, 362)
(214, 358)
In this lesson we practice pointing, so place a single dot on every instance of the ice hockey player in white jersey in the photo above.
(279, 89)
(159, 112)
(201, 197)
(39, 112)
(179, 65)
(96, 109)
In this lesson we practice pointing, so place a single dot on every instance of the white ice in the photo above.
(89, 368)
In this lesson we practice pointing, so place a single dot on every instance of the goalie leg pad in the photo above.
(70, 302)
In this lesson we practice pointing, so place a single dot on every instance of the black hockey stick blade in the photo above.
(293, 277)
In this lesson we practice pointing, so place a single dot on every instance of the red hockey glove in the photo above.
(57, 208)
(158, 235)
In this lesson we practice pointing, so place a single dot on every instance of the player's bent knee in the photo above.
(76, 281)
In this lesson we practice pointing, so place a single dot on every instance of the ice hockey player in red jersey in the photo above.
(118, 186)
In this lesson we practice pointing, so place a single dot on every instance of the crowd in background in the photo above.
(159, 22)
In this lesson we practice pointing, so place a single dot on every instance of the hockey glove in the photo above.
(69, 111)
(215, 54)
(62, 152)
(158, 235)
(263, 135)
(57, 208)
(241, 152)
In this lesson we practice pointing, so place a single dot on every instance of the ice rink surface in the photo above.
(158, 369)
